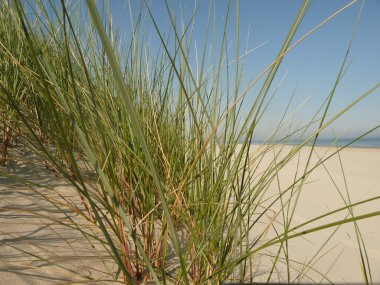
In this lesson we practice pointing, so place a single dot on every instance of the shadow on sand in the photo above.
(37, 245)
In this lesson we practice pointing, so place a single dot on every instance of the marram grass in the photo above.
(150, 146)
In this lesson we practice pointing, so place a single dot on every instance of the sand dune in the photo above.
(22, 232)
(28, 239)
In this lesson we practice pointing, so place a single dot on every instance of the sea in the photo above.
(361, 143)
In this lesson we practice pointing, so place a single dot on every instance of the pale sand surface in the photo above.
(25, 235)
(340, 258)
(21, 232)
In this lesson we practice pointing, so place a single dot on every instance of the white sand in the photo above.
(66, 247)
(27, 236)
(340, 257)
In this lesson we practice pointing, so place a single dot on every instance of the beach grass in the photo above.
(155, 147)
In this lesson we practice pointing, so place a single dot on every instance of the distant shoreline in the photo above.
(371, 143)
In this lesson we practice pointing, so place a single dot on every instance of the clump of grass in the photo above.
(163, 167)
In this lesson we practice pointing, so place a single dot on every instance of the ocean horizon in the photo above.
(361, 143)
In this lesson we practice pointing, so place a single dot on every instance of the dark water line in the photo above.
(362, 143)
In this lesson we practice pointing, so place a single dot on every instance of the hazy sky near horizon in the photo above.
(311, 68)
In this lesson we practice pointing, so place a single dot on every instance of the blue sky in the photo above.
(312, 66)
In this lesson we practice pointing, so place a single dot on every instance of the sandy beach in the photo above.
(327, 189)
(22, 231)
(35, 248)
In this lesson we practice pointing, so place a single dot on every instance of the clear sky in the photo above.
(312, 66)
